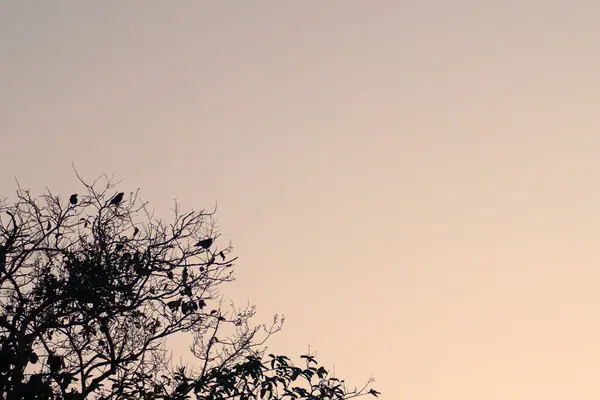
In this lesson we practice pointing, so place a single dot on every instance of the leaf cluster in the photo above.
(93, 287)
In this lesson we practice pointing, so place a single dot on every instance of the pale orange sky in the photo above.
(414, 184)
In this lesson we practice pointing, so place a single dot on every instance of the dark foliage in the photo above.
(89, 295)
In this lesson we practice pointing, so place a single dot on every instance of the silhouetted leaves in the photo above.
(174, 305)
(309, 358)
(55, 362)
(33, 358)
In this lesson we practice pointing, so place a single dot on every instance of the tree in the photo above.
(92, 287)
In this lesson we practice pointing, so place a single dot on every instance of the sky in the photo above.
(414, 184)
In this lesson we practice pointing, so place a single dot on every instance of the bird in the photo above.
(73, 199)
(118, 198)
(205, 243)
(136, 230)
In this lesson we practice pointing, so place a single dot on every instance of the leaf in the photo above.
(322, 372)
(374, 392)
(33, 358)
(184, 308)
(174, 305)
(309, 358)
(55, 362)
(139, 268)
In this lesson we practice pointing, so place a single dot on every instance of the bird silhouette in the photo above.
(205, 243)
(118, 198)
(73, 199)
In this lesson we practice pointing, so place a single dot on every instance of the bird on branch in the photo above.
(205, 243)
(117, 199)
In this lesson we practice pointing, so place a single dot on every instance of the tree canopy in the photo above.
(91, 287)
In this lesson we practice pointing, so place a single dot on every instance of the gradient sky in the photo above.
(414, 184)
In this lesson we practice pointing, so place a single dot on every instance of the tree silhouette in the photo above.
(89, 295)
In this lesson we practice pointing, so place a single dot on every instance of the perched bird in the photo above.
(205, 243)
(136, 230)
(118, 198)
(222, 255)
(73, 199)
